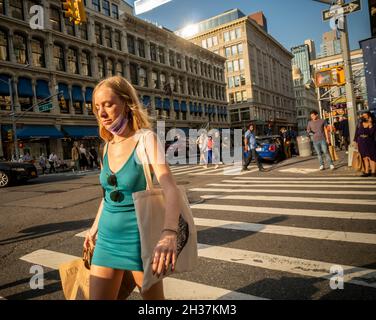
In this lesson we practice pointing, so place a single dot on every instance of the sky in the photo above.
(289, 21)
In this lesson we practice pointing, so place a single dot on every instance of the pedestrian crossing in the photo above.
(244, 220)
(212, 170)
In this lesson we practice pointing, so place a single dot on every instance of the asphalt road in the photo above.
(271, 235)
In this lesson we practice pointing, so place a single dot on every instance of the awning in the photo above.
(195, 107)
(190, 107)
(4, 86)
(176, 106)
(42, 89)
(158, 103)
(199, 108)
(146, 101)
(25, 88)
(81, 131)
(166, 104)
(89, 95)
(77, 94)
(31, 131)
(64, 89)
(183, 106)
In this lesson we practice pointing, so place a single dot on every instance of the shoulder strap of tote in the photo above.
(145, 162)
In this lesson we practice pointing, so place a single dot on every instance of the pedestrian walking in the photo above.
(75, 153)
(43, 163)
(269, 130)
(365, 142)
(121, 118)
(286, 142)
(52, 161)
(343, 128)
(317, 127)
(83, 158)
(250, 145)
(93, 158)
(210, 150)
(216, 149)
(202, 142)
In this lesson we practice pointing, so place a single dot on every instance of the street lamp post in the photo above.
(13, 117)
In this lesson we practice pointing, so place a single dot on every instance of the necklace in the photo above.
(114, 142)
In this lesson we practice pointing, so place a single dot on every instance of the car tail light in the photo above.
(272, 148)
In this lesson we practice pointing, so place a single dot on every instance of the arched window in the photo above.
(85, 64)
(25, 94)
(37, 49)
(4, 92)
(4, 46)
(119, 69)
(107, 37)
(110, 68)
(72, 61)
(16, 9)
(101, 70)
(143, 80)
(20, 48)
(59, 57)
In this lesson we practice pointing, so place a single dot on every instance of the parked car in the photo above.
(270, 148)
(11, 172)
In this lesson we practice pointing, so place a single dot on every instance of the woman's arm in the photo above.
(165, 251)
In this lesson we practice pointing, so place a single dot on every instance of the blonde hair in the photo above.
(137, 115)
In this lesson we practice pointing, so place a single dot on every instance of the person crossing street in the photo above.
(250, 144)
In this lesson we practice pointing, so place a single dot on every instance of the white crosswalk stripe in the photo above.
(283, 185)
(323, 183)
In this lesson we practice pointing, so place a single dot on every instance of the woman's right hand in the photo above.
(89, 242)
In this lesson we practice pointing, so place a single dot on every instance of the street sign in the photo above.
(345, 9)
(45, 107)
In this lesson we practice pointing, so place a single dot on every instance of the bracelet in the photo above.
(172, 230)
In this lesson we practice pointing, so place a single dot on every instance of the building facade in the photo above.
(330, 45)
(63, 62)
(338, 94)
(258, 69)
(301, 61)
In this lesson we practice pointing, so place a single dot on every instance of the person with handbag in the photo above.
(117, 248)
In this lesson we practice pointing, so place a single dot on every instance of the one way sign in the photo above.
(344, 9)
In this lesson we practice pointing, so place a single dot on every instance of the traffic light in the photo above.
(10, 135)
(75, 10)
(330, 77)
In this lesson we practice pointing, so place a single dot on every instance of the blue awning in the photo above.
(81, 131)
(158, 103)
(146, 101)
(25, 88)
(4, 86)
(190, 107)
(195, 107)
(77, 94)
(42, 89)
(89, 95)
(166, 104)
(31, 131)
(176, 106)
(63, 88)
(183, 106)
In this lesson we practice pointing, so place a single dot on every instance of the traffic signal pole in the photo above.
(350, 98)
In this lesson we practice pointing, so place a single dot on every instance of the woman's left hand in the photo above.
(164, 253)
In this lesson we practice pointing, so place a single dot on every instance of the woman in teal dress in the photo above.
(121, 118)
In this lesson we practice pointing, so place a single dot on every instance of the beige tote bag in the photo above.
(150, 211)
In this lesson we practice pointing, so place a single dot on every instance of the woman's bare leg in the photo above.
(104, 283)
(154, 293)
(366, 164)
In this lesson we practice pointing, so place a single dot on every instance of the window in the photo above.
(236, 65)
(119, 69)
(85, 64)
(37, 50)
(2, 8)
(228, 51)
(141, 48)
(229, 66)
(153, 52)
(106, 7)
(96, 5)
(133, 73)
(69, 27)
(115, 11)
(244, 96)
(210, 42)
(83, 31)
(98, 33)
(181, 85)
(215, 41)
(117, 40)
(238, 33)
(101, 70)
(107, 37)
(203, 43)
(241, 64)
(154, 80)
(171, 56)
(161, 55)
(130, 42)
(16, 9)
(234, 50)
(162, 80)
(55, 19)
(110, 68)
(59, 58)
(226, 36)
(196, 66)
(230, 82)
(143, 79)
(238, 96)
(231, 98)
(173, 84)
(72, 61)
(4, 46)
(240, 48)
(232, 35)
(178, 60)
(242, 80)
(20, 48)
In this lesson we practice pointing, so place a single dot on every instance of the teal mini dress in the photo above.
(118, 244)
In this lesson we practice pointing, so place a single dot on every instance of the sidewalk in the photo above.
(310, 166)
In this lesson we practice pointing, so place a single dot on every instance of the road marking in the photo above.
(310, 268)
(323, 183)
(289, 191)
(197, 169)
(305, 178)
(240, 184)
(225, 171)
(174, 288)
(299, 170)
(333, 235)
(292, 199)
(289, 212)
